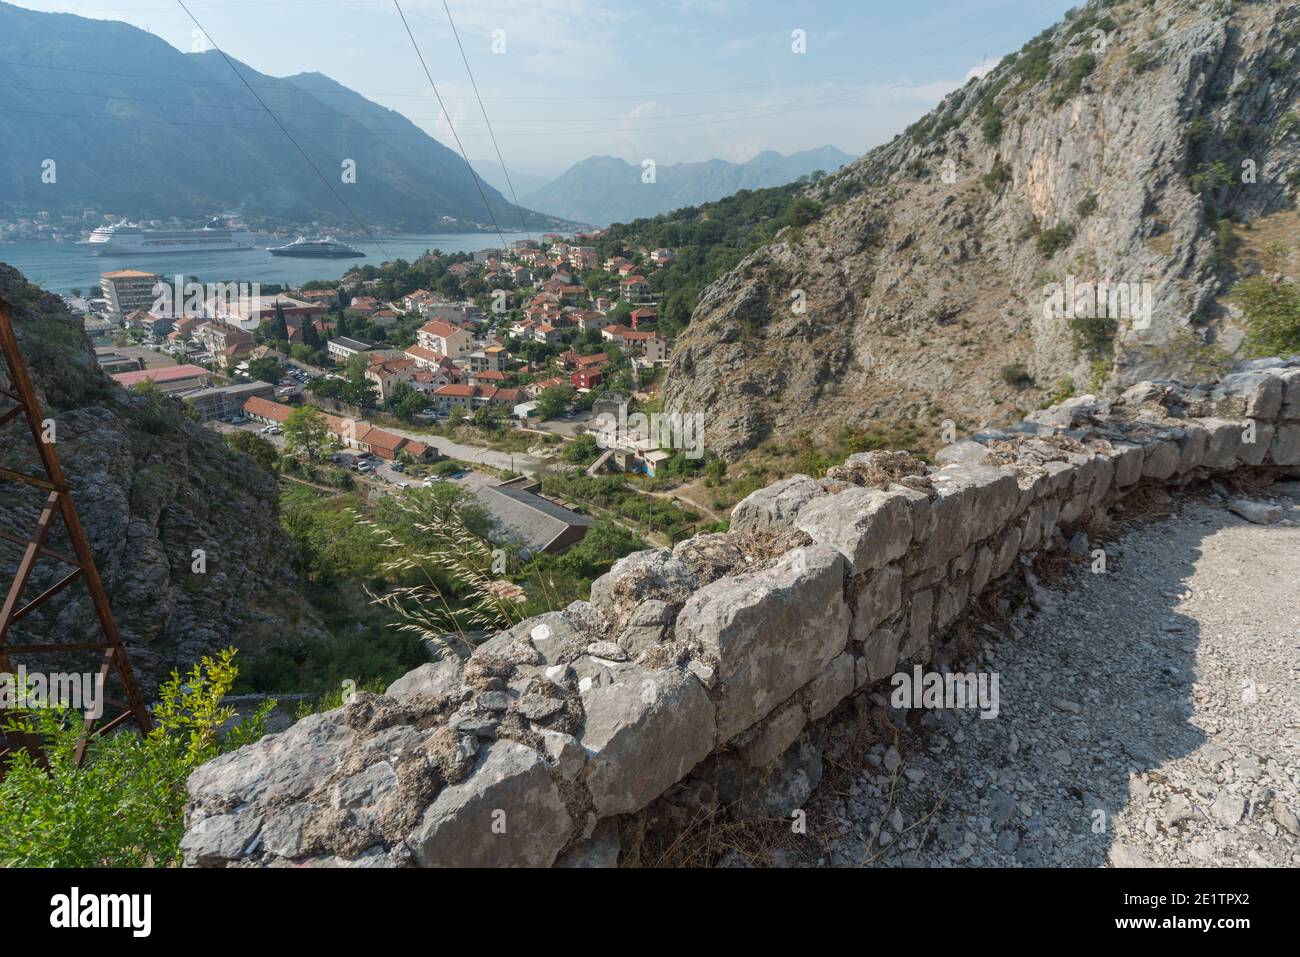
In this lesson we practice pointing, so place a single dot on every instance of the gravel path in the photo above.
(1148, 715)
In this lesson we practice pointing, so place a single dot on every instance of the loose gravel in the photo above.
(1148, 715)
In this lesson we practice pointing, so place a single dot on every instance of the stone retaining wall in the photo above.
(736, 641)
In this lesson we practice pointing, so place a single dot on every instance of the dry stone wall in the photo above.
(728, 642)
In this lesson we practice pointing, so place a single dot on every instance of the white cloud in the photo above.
(983, 68)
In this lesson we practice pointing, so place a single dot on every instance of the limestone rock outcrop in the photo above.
(724, 649)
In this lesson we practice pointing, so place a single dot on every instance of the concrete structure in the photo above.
(343, 348)
(111, 361)
(155, 325)
(524, 518)
(223, 400)
(168, 379)
(453, 312)
(128, 290)
(248, 312)
(441, 336)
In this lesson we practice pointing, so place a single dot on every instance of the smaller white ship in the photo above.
(325, 248)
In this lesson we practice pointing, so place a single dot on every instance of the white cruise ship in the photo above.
(125, 238)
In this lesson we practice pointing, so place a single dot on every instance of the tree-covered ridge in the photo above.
(709, 240)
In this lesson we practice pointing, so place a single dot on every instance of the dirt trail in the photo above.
(1148, 715)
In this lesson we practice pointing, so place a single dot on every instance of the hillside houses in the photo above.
(548, 301)
(359, 436)
(468, 398)
(387, 373)
(443, 337)
(634, 287)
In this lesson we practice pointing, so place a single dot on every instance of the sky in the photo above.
(668, 80)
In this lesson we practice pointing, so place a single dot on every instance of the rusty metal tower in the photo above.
(81, 564)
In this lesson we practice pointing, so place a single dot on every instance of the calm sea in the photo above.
(62, 267)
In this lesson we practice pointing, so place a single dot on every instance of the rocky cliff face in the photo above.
(151, 488)
(1134, 143)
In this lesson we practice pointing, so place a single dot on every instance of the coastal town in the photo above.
(491, 371)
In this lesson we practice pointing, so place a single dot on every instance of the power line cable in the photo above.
(835, 98)
(486, 121)
(404, 117)
(807, 106)
(285, 131)
(925, 54)
(451, 126)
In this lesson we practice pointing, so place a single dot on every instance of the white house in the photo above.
(443, 337)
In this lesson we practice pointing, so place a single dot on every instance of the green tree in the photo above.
(250, 443)
(267, 369)
(583, 450)
(411, 405)
(357, 366)
(279, 327)
(310, 337)
(1273, 312)
(305, 431)
(554, 402)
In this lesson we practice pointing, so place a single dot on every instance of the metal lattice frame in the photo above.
(58, 504)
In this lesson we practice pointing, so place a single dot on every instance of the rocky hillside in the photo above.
(151, 487)
(1136, 142)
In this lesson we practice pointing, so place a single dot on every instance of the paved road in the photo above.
(384, 473)
(568, 427)
(1148, 716)
(512, 461)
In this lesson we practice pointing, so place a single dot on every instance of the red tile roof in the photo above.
(266, 409)
(159, 375)
(380, 440)
(439, 328)
(427, 355)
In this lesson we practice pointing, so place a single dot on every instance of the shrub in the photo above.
(1141, 60)
(1035, 60)
(1225, 245)
(997, 177)
(1017, 376)
(1210, 177)
(1079, 68)
(992, 128)
(1051, 241)
(1273, 315)
(125, 806)
(1087, 206)
(1094, 336)
(583, 450)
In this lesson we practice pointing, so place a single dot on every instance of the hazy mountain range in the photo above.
(137, 127)
(603, 189)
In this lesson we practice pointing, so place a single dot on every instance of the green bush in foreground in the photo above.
(125, 806)
(1273, 312)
